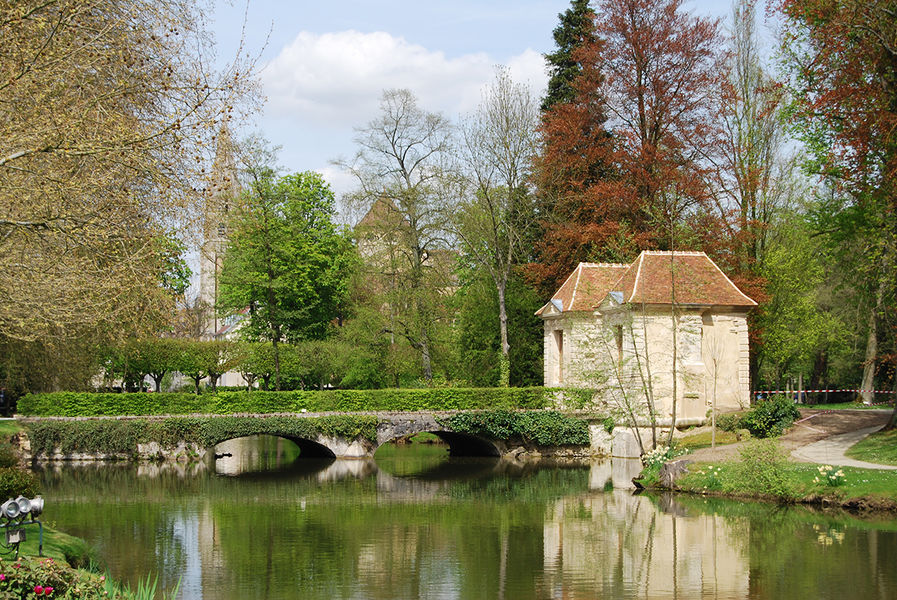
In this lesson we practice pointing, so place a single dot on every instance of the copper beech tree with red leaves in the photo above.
(627, 160)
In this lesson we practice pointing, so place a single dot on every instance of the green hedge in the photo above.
(87, 404)
(547, 428)
(109, 436)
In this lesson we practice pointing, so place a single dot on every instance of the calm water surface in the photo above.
(261, 525)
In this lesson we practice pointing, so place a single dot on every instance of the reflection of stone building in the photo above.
(609, 326)
(219, 200)
(653, 553)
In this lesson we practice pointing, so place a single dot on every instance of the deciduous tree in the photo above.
(106, 110)
(495, 219)
(286, 260)
(401, 168)
(843, 61)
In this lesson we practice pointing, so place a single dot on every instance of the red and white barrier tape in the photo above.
(823, 391)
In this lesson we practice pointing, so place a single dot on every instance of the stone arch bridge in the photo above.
(319, 444)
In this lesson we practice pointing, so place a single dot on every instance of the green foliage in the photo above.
(798, 322)
(547, 428)
(112, 437)
(609, 423)
(8, 456)
(15, 482)
(770, 417)
(729, 422)
(478, 343)
(88, 404)
(285, 258)
(120, 437)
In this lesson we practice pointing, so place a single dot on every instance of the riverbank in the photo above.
(807, 465)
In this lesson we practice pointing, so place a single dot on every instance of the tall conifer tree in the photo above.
(575, 29)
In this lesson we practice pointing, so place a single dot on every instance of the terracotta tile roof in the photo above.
(698, 281)
(649, 280)
(586, 287)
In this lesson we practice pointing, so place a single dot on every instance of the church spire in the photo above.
(223, 190)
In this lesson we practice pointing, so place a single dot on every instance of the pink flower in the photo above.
(2, 577)
(38, 589)
(48, 591)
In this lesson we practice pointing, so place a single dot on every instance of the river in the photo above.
(264, 525)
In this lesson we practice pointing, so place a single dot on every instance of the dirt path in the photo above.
(812, 427)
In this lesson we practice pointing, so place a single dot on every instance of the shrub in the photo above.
(770, 417)
(729, 422)
(16, 482)
(31, 577)
(8, 456)
(763, 470)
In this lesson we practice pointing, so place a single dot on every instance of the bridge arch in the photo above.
(308, 448)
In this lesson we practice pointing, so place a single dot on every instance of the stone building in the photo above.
(610, 327)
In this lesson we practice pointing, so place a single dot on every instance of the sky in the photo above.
(324, 64)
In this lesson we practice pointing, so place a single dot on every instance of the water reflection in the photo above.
(412, 525)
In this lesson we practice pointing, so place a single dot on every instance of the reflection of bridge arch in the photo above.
(308, 448)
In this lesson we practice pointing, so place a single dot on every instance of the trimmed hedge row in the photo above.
(122, 436)
(88, 404)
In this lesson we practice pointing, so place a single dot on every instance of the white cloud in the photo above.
(338, 77)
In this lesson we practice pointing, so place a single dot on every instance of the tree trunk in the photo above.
(157, 378)
(425, 359)
(868, 383)
(504, 377)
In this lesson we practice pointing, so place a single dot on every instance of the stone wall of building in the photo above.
(628, 354)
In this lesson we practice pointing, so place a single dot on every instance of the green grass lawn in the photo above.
(878, 448)
(9, 427)
(801, 480)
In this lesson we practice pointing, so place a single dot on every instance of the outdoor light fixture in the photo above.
(18, 513)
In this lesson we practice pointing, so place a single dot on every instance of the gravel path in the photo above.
(830, 451)
(817, 437)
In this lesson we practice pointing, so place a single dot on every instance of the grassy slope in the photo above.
(878, 448)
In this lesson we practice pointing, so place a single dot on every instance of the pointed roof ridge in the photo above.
(673, 252)
(585, 287)
(602, 264)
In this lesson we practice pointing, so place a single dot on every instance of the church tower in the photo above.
(220, 197)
